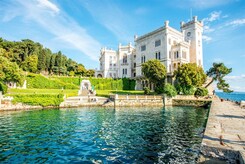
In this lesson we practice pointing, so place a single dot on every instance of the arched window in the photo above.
(125, 58)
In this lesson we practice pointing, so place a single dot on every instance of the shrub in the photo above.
(170, 90)
(159, 89)
(40, 99)
(201, 92)
(58, 82)
(3, 88)
(185, 90)
(146, 90)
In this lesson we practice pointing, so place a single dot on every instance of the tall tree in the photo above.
(155, 72)
(218, 72)
(90, 73)
(189, 76)
(10, 71)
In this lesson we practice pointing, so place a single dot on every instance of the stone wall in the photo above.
(139, 102)
(194, 102)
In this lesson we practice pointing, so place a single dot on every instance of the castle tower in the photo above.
(193, 33)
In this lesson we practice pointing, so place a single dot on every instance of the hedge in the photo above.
(3, 88)
(57, 82)
(39, 99)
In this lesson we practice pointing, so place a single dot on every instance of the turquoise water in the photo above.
(95, 135)
(234, 96)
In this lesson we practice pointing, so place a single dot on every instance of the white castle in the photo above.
(170, 46)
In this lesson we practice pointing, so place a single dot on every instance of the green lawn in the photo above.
(70, 92)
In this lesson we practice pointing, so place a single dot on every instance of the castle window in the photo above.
(125, 71)
(184, 54)
(177, 54)
(199, 43)
(134, 65)
(143, 59)
(157, 43)
(143, 48)
(124, 59)
(158, 55)
(169, 54)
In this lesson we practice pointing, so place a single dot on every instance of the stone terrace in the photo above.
(224, 137)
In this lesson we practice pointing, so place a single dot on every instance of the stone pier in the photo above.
(224, 137)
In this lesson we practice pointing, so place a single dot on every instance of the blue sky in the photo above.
(79, 28)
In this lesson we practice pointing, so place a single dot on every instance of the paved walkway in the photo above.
(225, 130)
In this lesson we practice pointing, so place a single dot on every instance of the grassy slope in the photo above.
(69, 92)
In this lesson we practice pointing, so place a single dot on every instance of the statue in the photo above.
(86, 88)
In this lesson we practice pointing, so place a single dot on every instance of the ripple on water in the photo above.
(96, 135)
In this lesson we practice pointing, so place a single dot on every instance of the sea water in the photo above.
(234, 96)
(101, 135)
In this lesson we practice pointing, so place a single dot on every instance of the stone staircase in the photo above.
(83, 101)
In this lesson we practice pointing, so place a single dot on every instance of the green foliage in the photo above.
(90, 73)
(33, 57)
(201, 91)
(3, 88)
(30, 64)
(146, 90)
(188, 77)
(159, 89)
(41, 82)
(9, 71)
(218, 72)
(58, 82)
(154, 71)
(170, 90)
(39, 99)
(128, 84)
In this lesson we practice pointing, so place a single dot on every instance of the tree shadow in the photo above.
(231, 116)
(242, 143)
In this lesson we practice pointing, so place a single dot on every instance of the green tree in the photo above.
(169, 90)
(188, 77)
(10, 71)
(90, 73)
(80, 70)
(155, 72)
(201, 92)
(218, 72)
(30, 64)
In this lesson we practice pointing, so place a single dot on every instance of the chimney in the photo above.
(135, 37)
(195, 18)
(182, 24)
(166, 23)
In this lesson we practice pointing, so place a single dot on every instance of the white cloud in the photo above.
(48, 5)
(208, 21)
(236, 82)
(201, 4)
(207, 29)
(236, 22)
(206, 38)
(110, 16)
(235, 77)
(48, 16)
(215, 15)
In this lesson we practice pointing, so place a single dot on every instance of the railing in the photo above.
(136, 97)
